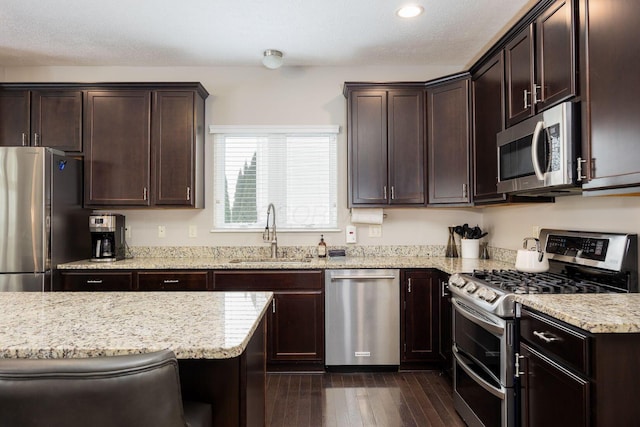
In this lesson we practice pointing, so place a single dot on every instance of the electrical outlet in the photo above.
(162, 231)
(535, 230)
(127, 232)
(351, 234)
(375, 231)
(193, 231)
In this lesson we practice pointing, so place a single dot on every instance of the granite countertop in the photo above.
(448, 265)
(595, 313)
(195, 325)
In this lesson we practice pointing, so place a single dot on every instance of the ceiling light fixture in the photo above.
(272, 59)
(410, 11)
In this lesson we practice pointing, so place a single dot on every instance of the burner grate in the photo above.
(519, 282)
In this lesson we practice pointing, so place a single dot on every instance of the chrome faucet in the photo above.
(270, 236)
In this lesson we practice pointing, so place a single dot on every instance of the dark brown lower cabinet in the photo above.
(420, 318)
(446, 337)
(551, 394)
(173, 280)
(295, 337)
(95, 281)
(570, 377)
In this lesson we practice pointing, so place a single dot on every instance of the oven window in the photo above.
(479, 344)
(486, 406)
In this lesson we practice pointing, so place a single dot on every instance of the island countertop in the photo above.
(195, 325)
(595, 313)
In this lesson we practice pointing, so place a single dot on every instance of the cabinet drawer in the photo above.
(261, 280)
(120, 281)
(173, 281)
(555, 339)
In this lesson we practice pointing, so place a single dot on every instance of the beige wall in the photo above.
(254, 95)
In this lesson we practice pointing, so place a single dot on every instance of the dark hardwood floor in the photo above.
(389, 399)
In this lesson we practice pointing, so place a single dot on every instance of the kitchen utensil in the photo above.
(531, 260)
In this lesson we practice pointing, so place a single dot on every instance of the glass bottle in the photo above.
(452, 250)
(484, 250)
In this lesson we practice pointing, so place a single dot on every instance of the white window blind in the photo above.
(293, 168)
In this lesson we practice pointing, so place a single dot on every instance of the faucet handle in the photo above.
(265, 235)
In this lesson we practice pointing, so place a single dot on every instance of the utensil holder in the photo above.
(470, 248)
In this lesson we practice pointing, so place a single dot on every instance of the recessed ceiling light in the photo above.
(410, 11)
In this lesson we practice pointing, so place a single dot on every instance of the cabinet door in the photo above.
(117, 139)
(174, 147)
(406, 147)
(551, 395)
(448, 142)
(421, 316)
(487, 88)
(519, 76)
(173, 281)
(555, 58)
(367, 124)
(296, 327)
(56, 119)
(14, 118)
(611, 111)
(96, 281)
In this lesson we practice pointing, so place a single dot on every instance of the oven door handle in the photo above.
(496, 326)
(497, 392)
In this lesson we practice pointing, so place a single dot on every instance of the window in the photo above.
(295, 168)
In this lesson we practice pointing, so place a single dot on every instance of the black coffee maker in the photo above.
(107, 237)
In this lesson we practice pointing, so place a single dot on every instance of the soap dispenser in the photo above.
(322, 248)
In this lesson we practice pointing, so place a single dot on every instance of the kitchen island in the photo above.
(218, 338)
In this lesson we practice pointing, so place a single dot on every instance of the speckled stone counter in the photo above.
(595, 313)
(195, 325)
(448, 265)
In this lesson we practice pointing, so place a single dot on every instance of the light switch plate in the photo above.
(375, 231)
(351, 234)
(193, 231)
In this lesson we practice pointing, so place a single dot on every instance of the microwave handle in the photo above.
(534, 150)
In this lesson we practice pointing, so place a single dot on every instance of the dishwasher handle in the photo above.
(370, 277)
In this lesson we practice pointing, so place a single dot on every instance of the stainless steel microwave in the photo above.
(539, 156)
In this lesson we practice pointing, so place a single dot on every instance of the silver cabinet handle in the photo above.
(536, 98)
(579, 162)
(144, 193)
(409, 288)
(384, 191)
(464, 191)
(526, 105)
(444, 287)
(188, 193)
(24, 139)
(36, 139)
(94, 282)
(361, 277)
(544, 337)
(273, 305)
(170, 281)
(393, 195)
(518, 373)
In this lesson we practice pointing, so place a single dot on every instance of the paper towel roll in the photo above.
(367, 216)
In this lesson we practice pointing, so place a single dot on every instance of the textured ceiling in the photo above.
(236, 32)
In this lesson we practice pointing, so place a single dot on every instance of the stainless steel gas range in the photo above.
(485, 320)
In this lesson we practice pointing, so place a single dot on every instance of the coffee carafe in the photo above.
(107, 237)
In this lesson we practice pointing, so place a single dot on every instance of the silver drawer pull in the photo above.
(545, 338)
(170, 281)
(94, 282)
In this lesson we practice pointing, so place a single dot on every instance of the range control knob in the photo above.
(457, 281)
(471, 287)
(490, 296)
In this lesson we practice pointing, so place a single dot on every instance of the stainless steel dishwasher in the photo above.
(362, 318)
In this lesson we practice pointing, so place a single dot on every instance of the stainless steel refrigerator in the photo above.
(42, 222)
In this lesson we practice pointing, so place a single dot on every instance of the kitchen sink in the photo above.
(268, 260)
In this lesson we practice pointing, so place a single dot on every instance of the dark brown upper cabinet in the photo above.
(540, 62)
(448, 142)
(610, 107)
(47, 118)
(118, 148)
(386, 145)
(487, 93)
(144, 146)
